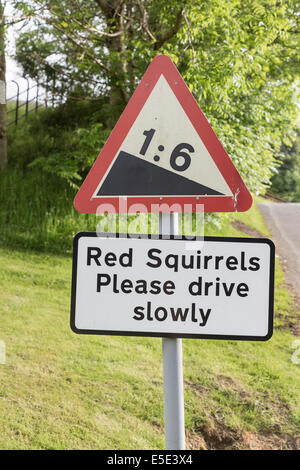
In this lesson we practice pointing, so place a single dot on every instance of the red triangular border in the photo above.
(84, 202)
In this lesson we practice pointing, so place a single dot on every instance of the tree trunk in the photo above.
(114, 12)
(3, 136)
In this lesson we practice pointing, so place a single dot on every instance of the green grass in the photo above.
(59, 390)
(36, 212)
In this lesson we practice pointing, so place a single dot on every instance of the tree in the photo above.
(3, 136)
(286, 181)
(97, 44)
(239, 58)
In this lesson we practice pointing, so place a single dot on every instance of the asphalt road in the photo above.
(283, 221)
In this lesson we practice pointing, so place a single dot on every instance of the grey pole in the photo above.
(172, 367)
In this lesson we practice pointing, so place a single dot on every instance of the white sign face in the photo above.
(222, 289)
(163, 136)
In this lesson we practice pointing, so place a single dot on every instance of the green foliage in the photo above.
(73, 154)
(62, 141)
(36, 211)
(239, 59)
(286, 181)
(242, 76)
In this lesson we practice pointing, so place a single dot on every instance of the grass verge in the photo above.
(63, 391)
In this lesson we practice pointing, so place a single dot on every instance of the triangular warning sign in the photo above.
(163, 150)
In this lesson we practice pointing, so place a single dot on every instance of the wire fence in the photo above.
(23, 103)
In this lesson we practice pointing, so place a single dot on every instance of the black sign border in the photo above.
(179, 238)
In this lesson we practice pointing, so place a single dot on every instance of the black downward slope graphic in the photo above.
(132, 176)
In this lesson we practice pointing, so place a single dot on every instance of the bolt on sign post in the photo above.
(163, 157)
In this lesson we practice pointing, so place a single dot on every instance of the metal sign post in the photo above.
(172, 367)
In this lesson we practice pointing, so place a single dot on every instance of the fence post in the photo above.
(27, 97)
(37, 97)
(17, 102)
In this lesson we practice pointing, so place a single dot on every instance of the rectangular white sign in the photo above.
(215, 287)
